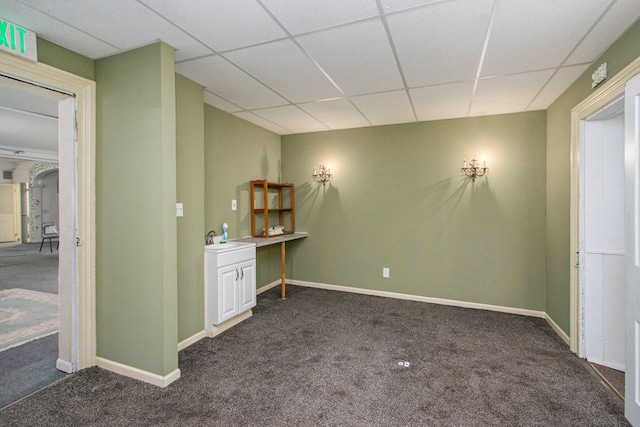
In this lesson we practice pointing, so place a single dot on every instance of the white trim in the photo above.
(268, 286)
(441, 301)
(557, 328)
(217, 330)
(64, 366)
(138, 374)
(192, 340)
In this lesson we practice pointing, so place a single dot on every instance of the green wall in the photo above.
(136, 278)
(237, 152)
(558, 249)
(64, 59)
(397, 201)
(190, 192)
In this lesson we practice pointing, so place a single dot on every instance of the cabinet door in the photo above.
(227, 293)
(247, 285)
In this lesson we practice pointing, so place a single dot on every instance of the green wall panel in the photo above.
(237, 152)
(136, 309)
(190, 192)
(397, 201)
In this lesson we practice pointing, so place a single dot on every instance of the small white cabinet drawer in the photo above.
(234, 257)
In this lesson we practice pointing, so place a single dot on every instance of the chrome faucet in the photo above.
(208, 239)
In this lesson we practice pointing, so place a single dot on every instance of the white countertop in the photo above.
(265, 241)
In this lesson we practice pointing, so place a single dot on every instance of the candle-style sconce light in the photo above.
(322, 175)
(473, 170)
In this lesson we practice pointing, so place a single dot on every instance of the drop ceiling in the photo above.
(295, 66)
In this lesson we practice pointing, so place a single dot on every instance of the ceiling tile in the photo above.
(216, 101)
(535, 35)
(292, 118)
(259, 121)
(617, 20)
(395, 5)
(337, 114)
(556, 86)
(442, 101)
(357, 57)
(385, 108)
(284, 68)
(302, 16)
(56, 31)
(442, 42)
(221, 25)
(130, 24)
(230, 83)
(508, 94)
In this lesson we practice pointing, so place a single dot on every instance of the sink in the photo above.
(229, 246)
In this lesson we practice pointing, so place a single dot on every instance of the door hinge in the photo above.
(577, 263)
(78, 242)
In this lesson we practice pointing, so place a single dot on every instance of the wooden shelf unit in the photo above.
(262, 187)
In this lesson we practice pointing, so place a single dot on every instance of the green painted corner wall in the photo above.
(136, 271)
(237, 152)
(190, 178)
(397, 201)
(64, 59)
(558, 186)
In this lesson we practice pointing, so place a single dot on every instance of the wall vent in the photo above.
(7, 175)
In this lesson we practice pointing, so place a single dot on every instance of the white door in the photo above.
(227, 293)
(602, 236)
(247, 284)
(632, 249)
(8, 231)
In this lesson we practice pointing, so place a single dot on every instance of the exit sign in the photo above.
(18, 40)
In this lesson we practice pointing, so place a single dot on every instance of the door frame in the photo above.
(603, 96)
(77, 348)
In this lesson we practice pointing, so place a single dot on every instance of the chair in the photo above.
(49, 231)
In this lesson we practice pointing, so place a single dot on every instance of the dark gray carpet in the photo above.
(329, 358)
(31, 366)
(28, 368)
(22, 266)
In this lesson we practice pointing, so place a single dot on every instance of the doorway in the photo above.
(602, 240)
(604, 96)
(76, 114)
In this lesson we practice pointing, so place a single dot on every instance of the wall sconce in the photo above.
(323, 175)
(473, 170)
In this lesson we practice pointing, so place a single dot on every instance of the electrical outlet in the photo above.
(179, 210)
(234, 205)
(385, 273)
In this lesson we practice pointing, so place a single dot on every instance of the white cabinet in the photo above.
(230, 281)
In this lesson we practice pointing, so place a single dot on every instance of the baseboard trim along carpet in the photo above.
(138, 374)
(558, 330)
(268, 286)
(192, 340)
(64, 366)
(408, 297)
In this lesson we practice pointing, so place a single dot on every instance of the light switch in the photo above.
(234, 205)
(179, 210)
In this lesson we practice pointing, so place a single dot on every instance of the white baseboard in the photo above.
(64, 366)
(217, 330)
(558, 330)
(441, 301)
(138, 374)
(192, 340)
(268, 286)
